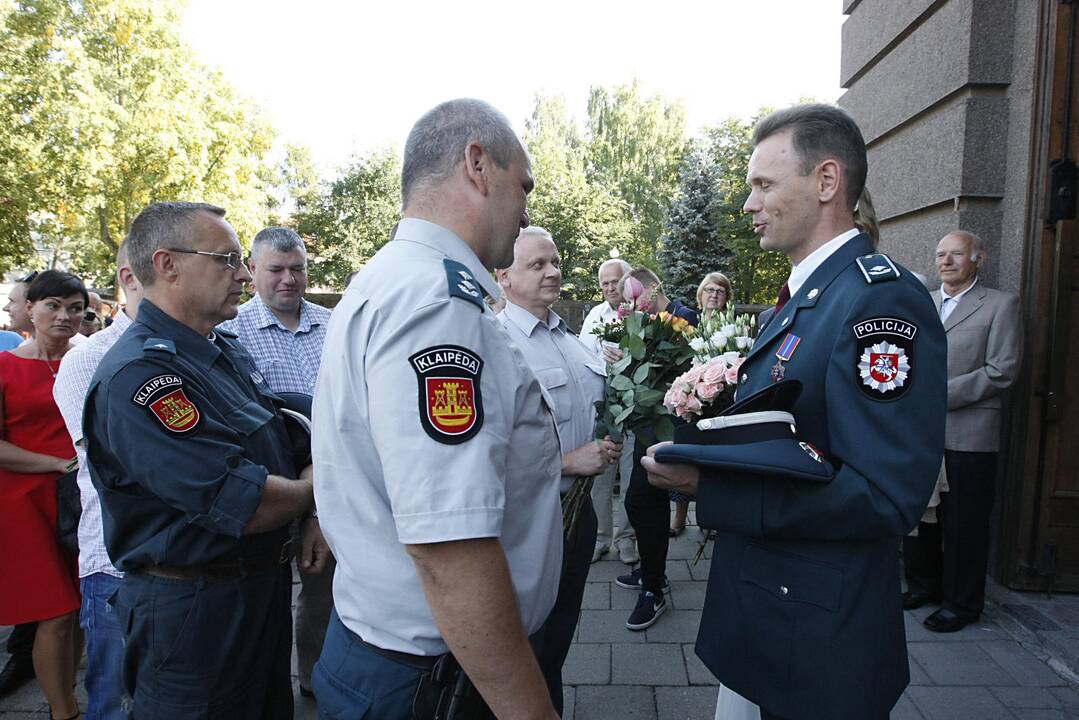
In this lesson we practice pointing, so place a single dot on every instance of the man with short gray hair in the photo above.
(284, 333)
(192, 462)
(947, 561)
(437, 456)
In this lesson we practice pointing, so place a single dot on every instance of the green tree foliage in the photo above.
(708, 230)
(346, 221)
(106, 110)
(636, 146)
(756, 275)
(691, 248)
(586, 219)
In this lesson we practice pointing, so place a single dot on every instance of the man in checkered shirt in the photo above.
(284, 333)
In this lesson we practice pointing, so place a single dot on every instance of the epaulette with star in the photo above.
(462, 283)
(877, 267)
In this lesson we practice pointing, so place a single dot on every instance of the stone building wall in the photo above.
(943, 92)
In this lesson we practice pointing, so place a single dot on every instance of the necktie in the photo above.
(784, 296)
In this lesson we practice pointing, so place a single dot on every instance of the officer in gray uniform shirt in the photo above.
(573, 376)
(436, 452)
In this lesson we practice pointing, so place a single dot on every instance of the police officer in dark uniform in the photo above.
(803, 614)
(192, 462)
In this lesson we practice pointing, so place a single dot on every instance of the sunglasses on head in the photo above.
(29, 278)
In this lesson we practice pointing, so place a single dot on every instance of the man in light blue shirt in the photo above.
(573, 377)
(284, 333)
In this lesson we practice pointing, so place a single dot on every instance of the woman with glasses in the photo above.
(713, 294)
(40, 576)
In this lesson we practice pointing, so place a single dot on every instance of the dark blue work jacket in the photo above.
(180, 434)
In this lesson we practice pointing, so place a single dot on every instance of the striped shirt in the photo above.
(288, 359)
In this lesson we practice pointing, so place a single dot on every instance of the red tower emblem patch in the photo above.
(166, 400)
(450, 403)
(175, 411)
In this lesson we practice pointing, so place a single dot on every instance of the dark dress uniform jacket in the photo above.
(803, 610)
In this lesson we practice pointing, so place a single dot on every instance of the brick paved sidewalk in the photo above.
(1002, 667)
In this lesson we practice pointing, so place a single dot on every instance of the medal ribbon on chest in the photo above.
(784, 353)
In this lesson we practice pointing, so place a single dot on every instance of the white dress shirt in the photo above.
(602, 313)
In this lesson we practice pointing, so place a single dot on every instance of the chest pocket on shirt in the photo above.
(554, 380)
(248, 418)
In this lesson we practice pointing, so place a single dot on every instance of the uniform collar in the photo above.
(188, 342)
(264, 317)
(449, 244)
(840, 258)
(801, 272)
(527, 322)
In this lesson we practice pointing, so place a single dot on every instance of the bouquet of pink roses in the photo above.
(705, 390)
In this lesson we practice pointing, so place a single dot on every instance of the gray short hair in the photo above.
(160, 226)
(977, 247)
(438, 140)
(281, 239)
(821, 132)
(624, 266)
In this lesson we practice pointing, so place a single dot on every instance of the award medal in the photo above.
(784, 353)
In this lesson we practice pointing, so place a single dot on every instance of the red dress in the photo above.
(39, 579)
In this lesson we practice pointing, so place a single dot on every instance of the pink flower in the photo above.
(633, 289)
(691, 377)
(624, 309)
(713, 371)
(692, 404)
(708, 391)
(732, 373)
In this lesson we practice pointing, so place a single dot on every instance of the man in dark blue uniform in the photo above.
(803, 613)
(191, 460)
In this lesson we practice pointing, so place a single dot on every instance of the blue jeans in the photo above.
(104, 647)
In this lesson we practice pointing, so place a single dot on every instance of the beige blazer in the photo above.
(985, 348)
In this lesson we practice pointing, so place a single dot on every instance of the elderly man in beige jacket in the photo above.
(947, 562)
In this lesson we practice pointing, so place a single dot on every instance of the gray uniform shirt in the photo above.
(429, 426)
(569, 372)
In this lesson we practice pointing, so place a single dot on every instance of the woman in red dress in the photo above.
(40, 578)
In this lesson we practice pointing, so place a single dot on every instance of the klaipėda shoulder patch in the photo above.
(164, 397)
(450, 402)
(884, 357)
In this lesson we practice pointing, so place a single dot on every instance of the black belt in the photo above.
(418, 662)
(222, 569)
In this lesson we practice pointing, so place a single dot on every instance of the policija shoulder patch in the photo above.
(164, 397)
(884, 364)
(451, 406)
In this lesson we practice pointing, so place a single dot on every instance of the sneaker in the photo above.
(649, 608)
(632, 581)
(599, 552)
